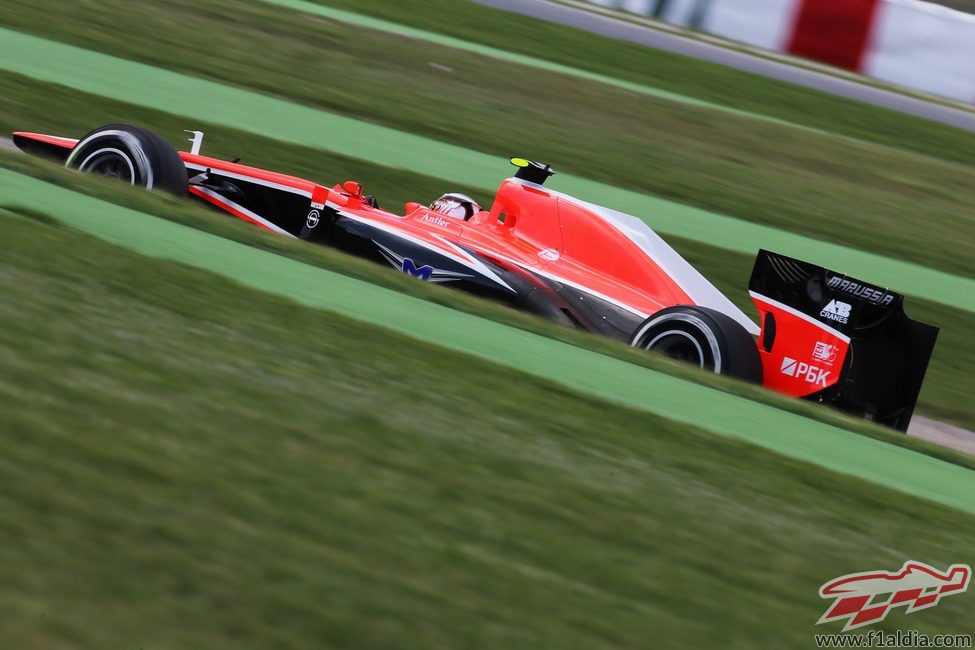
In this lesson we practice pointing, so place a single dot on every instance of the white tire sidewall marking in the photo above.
(700, 350)
(692, 320)
(84, 163)
(135, 147)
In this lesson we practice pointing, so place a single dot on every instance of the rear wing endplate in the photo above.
(838, 340)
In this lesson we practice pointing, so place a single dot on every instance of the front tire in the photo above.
(702, 337)
(132, 155)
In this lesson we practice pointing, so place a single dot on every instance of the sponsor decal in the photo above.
(549, 255)
(837, 311)
(810, 374)
(409, 267)
(435, 219)
(313, 218)
(864, 292)
(825, 352)
(425, 272)
(866, 598)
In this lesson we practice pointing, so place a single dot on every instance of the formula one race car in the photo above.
(823, 336)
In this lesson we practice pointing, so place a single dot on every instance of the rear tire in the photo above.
(702, 337)
(133, 155)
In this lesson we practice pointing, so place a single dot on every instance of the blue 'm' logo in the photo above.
(423, 272)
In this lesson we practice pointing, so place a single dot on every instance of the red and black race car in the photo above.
(820, 335)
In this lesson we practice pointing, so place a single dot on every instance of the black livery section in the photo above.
(40, 148)
(287, 210)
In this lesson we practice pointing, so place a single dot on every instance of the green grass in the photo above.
(881, 199)
(191, 464)
(25, 104)
(671, 72)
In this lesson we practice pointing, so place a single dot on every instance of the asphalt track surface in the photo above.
(670, 42)
(199, 99)
(590, 372)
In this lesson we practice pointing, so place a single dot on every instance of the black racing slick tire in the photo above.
(702, 337)
(133, 155)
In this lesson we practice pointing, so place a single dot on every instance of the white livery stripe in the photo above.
(249, 179)
(253, 216)
(798, 314)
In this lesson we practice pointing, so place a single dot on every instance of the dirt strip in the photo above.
(942, 433)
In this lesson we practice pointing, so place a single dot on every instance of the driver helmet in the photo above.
(459, 206)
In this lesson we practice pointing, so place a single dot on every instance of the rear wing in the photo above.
(837, 340)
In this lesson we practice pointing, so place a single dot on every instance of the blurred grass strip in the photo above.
(190, 463)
